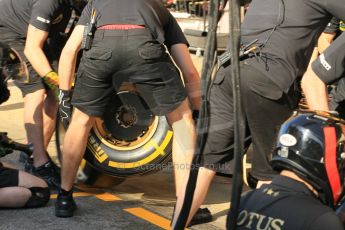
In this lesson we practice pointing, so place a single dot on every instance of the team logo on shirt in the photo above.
(58, 19)
(324, 63)
(43, 20)
(342, 25)
(253, 220)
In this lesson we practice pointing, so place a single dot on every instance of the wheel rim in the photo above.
(127, 124)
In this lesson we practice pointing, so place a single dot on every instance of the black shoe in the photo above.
(65, 205)
(202, 216)
(28, 164)
(23, 157)
(49, 172)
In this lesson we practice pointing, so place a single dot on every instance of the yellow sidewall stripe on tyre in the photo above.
(96, 150)
(159, 151)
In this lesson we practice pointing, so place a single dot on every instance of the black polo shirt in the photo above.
(150, 13)
(285, 204)
(333, 26)
(330, 65)
(298, 24)
(47, 15)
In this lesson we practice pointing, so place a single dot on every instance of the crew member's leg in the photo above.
(264, 117)
(183, 143)
(39, 118)
(183, 147)
(33, 120)
(91, 95)
(20, 189)
(73, 151)
(74, 146)
(49, 117)
(219, 138)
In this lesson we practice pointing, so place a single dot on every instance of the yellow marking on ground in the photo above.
(108, 197)
(150, 217)
(75, 194)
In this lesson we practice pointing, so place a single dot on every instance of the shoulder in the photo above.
(328, 220)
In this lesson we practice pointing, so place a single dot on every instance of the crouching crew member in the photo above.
(33, 28)
(126, 40)
(309, 156)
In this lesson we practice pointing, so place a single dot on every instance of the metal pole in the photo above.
(239, 125)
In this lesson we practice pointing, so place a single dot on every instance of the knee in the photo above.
(82, 119)
(182, 112)
(184, 134)
(36, 96)
(39, 197)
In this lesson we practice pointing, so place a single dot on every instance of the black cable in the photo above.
(239, 123)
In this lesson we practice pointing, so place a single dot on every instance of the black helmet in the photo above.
(309, 145)
(11, 65)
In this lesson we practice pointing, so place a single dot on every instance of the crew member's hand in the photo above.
(65, 107)
(52, 80)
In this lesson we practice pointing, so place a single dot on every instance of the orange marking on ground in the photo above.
(108, 197)
(150, 217)
(75, 194)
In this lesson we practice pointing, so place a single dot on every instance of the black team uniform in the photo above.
(287, 31)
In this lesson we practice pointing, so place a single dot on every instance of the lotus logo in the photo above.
(287, 140)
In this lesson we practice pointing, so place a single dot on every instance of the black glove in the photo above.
(65, 106)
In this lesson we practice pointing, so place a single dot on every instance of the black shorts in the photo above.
(263, 117)
(33, 82)
(8, 177)
(131, 56)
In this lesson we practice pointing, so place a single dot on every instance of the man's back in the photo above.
(15, 15)
(289, 30)
(285, 204)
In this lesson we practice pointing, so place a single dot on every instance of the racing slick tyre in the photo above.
(86, 175)
(128, 139)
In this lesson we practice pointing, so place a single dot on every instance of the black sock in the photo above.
(63, 192)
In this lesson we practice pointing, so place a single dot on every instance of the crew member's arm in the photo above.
(328, 34)
(181, 56)
(314, 89)
(68, 58)
(324, 41)
(34, 50)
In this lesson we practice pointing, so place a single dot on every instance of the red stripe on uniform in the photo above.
(331, 161)
(120, 27)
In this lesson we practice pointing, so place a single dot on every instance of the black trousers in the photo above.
(8, 177)
(263, 119)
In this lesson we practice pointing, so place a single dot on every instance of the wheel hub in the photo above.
(126, 116)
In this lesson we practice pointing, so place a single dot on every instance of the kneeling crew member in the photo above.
(310, 159)
(17, 188)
